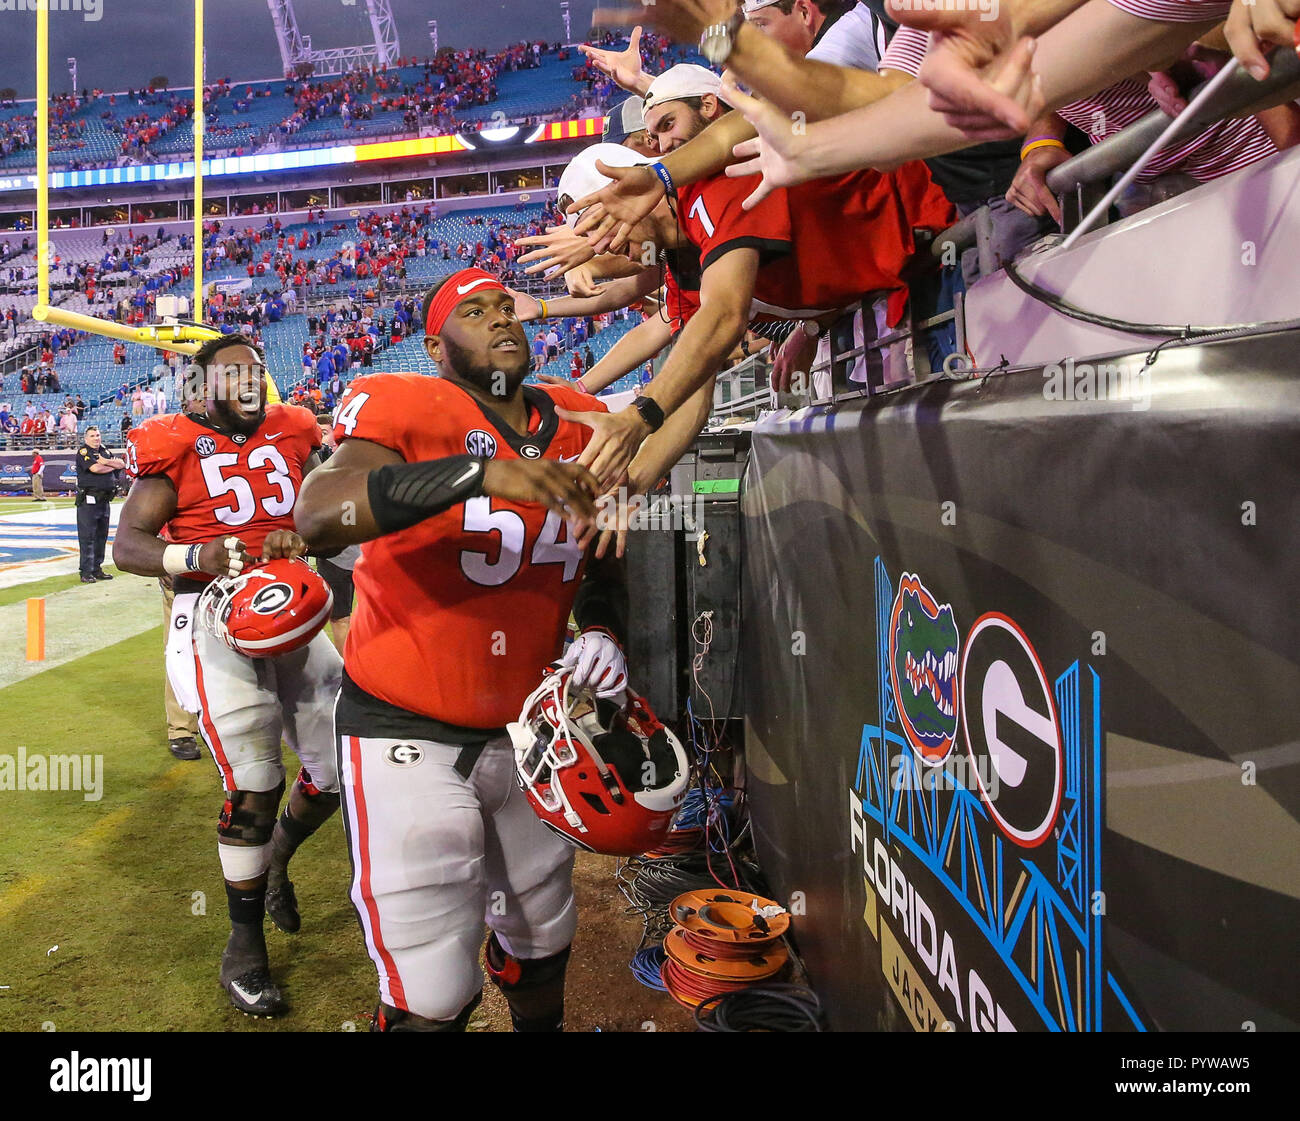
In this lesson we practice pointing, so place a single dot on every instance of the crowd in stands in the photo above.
(358, 268)
(454, 80)
(40, 426)
(18, 134)
(435, 96)
(344, 339)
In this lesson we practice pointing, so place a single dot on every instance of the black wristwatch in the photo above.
(650, 412)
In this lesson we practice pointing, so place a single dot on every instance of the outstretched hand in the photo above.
(980, 74)
(624, 66)
(556, 251)
(615, 439)
(774, 153)
(567, 488)
(681, 20)
(608, 215)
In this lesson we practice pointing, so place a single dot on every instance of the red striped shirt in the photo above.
(1176, 11)
(1218, 150)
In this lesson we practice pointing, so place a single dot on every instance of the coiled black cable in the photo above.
(779, 1008)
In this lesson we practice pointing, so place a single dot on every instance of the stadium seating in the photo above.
(527, 93)
(88, 368)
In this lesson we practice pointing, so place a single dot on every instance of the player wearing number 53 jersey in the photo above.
(221, 486)
(475, 523)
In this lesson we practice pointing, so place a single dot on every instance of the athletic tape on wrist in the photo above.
(179, 560)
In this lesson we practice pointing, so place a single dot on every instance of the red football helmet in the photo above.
(269, 609)
(606, 778)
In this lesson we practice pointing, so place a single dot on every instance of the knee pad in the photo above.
(388, 1018)
(533, 987)
(248, 816)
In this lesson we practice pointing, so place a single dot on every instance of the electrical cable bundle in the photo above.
(647, 966)
(784, 1008)
(687, 829)
(723, 941)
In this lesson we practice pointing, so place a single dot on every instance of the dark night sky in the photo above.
(137, 39)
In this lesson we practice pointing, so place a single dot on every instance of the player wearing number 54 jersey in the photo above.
(475, 522)
(221, 485)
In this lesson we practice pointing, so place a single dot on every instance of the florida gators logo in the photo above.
(924, 653)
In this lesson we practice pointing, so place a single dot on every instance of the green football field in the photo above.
(113, 912)
(112, 907)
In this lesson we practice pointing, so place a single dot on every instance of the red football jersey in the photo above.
(822, 244)
(681, 286)
(457, 616)
(227, 484)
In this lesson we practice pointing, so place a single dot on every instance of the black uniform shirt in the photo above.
(87, 479)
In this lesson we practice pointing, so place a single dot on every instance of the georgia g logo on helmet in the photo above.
(271, 599)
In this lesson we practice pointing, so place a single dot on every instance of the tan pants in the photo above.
(179, 722)
(38, 487)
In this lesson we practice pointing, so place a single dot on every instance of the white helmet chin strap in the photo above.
(214, 604)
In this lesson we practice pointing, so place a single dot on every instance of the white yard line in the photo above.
(79, 621)
(48, 529)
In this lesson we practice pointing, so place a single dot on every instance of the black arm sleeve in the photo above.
(602, 598)
(402, 494)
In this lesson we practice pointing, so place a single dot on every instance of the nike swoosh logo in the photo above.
(465, 477)
(274, 435)
(244, 994)
(570, 458)
(460, 291)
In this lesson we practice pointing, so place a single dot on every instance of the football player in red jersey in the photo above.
(475, 519)
(222, 482)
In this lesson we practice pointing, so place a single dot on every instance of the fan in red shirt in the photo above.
(805, 253)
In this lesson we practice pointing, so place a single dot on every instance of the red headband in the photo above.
(454, 289)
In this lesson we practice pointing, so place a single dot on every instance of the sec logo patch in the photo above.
(205, 445)
(480, 443)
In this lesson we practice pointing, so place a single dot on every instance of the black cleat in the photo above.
(102, 575)
(89, 580)
(255, 994)
(282, 907)
(184, 747)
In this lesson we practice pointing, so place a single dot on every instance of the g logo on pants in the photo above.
(403, 755)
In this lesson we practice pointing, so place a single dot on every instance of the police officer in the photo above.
(95, 487)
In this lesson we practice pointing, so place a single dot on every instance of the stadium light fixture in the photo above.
(499, 135)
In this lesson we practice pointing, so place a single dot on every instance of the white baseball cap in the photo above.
(752, 6)
(682, 81)
(581, 178)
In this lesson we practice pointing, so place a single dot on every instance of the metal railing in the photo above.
(1081, 181)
